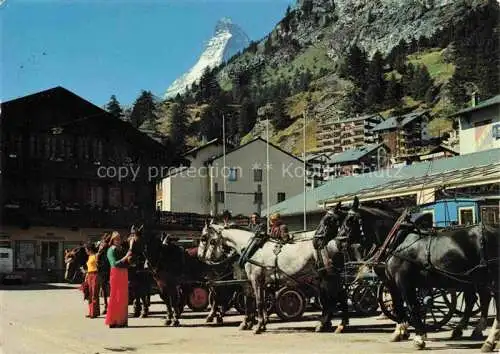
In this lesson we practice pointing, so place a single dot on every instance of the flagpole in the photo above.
(267, 176)
(224, 157)
(305, 172)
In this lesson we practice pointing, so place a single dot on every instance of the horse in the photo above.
(275, 262)
(175, 271)
(75, 261)
(219, 297)
(451, 259)
(138, 274)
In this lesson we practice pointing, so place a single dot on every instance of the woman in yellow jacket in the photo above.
(92, 281)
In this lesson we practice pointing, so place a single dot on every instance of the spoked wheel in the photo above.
(197, 299)
(460, 310)
(385, 302)
(364, 299)
(439, 305)
(239, 302)
(290, 304)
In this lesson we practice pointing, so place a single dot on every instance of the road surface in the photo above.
(51, 319)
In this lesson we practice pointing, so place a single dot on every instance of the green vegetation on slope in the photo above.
(440, 70)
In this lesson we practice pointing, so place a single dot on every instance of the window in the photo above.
(233, 174)
(159, 205)
(257, 175)
(466, 216)
(489, 215)
(281, 197)
(257, 199)
(219, 196)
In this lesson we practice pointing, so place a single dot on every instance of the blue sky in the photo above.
(100, 48)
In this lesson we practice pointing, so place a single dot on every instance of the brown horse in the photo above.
(76, 260)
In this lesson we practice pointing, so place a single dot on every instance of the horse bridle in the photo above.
(215, 242)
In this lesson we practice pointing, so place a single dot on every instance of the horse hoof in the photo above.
(258, 330)
(243, 326)
(487, 347)
(405, 336)
(477, 335)
(456, 334)
(419, 344)
(176, 323)
(168, 322)
(219, 320)
(396, 338)
(340, 329)
(144, 315)
(209, 320)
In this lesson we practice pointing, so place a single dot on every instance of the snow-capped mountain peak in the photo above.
(228, 39)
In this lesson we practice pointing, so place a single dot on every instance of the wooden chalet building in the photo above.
(60, 158)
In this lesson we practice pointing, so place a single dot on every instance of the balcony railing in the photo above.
(100, 218)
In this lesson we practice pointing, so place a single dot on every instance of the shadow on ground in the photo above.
(38, 286)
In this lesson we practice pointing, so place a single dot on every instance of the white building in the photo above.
(186, 189)
(236, 182)
(480, 126)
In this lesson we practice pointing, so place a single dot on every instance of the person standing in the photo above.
(117, 315)
(92, 280)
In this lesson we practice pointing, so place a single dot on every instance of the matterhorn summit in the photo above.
(228, 40)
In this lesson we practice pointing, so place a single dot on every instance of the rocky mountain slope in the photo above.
(314, 38)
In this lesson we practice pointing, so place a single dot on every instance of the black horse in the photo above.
(76, 260)
(177, 272)
(465, 258)
(333, 244)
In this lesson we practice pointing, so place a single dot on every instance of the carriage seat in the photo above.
(419, 222)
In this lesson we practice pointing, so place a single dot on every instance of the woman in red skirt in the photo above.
(117, 315)
(92, 281)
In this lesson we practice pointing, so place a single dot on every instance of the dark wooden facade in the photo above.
(59, 155)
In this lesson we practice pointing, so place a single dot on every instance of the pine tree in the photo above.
(376, 81)
(178, 126)
(394, 92)
(279, 119)
(113, 107)
(247, 117)
(353, 102)
(144, 109)
(477, 55)
(355, 66)
(307, 7)
(407, 79)
(422, 81)
(268, 45)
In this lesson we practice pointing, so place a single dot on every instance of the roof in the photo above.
(25, 112)
(392, 122)
(251, 142)
(482, 105)
(196, 149)
(353, 155)
(387, 180)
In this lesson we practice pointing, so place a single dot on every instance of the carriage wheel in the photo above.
(290, 304)
(239, 302)
(385, 301)
(440, 308)
(197, 299)
(364, 298)
(460, 311)
(270, 302)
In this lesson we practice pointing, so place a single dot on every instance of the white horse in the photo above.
(277, 262)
